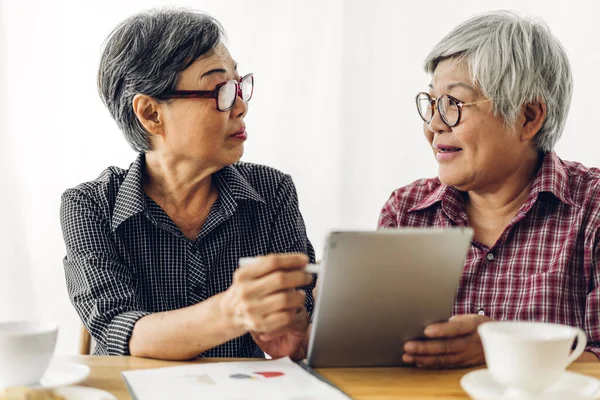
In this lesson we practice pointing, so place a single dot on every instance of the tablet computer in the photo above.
(376, 290)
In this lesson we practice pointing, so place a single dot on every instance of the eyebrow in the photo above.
(462, 85)
(213, 71)
(457, 84)
(218, 71)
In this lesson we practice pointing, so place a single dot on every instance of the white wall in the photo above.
(333, 107)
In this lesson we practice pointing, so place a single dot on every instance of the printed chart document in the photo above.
(274, 379)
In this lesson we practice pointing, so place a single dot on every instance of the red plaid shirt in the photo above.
(545, 265)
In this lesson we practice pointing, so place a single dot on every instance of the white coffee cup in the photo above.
(26, 348)
(528, 357)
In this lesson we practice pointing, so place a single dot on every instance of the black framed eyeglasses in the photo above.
(450, 108)
(225, 93)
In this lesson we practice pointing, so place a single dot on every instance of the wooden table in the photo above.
(359, 383)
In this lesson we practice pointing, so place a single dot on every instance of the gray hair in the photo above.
(145, 54)
(515, 61)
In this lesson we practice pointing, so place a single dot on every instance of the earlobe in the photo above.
(535, 115)
(147, 112)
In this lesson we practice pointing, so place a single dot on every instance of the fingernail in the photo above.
(407, 359)
(429, 331)
(410, 347)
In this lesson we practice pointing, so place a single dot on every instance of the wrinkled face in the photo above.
(480, 151)
(194, 129)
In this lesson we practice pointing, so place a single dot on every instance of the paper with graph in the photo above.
(246, 380)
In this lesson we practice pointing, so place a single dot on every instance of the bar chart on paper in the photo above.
(274, 379)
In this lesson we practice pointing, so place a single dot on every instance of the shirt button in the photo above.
(490, 256)
(481, 312)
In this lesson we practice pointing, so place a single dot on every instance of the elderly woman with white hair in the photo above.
(497, 103)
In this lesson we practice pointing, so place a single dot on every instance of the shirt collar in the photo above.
(439, 194)
(130, 198)
(232, 186)
(551, 178)
(451, 199)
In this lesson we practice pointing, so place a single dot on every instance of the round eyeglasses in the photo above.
(450, 108)
(225, 93)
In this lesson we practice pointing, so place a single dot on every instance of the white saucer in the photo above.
(83, 393)
(60, 373)
(480, 385)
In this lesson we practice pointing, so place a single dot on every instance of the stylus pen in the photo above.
(310, 268)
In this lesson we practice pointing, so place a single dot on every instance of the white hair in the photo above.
(515, 61)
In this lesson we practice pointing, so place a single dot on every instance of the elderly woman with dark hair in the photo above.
(497, 103)
(152, 251)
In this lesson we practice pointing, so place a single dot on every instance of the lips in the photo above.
(239, 132)
(442, 148)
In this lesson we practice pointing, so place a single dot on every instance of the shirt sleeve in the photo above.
(100, 285)
(288, 232)
(592, 304)
(388, 218)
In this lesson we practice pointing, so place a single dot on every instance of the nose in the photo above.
(437, 125)
(240, 108)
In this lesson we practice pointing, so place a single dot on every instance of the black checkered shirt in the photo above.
(127, 259)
